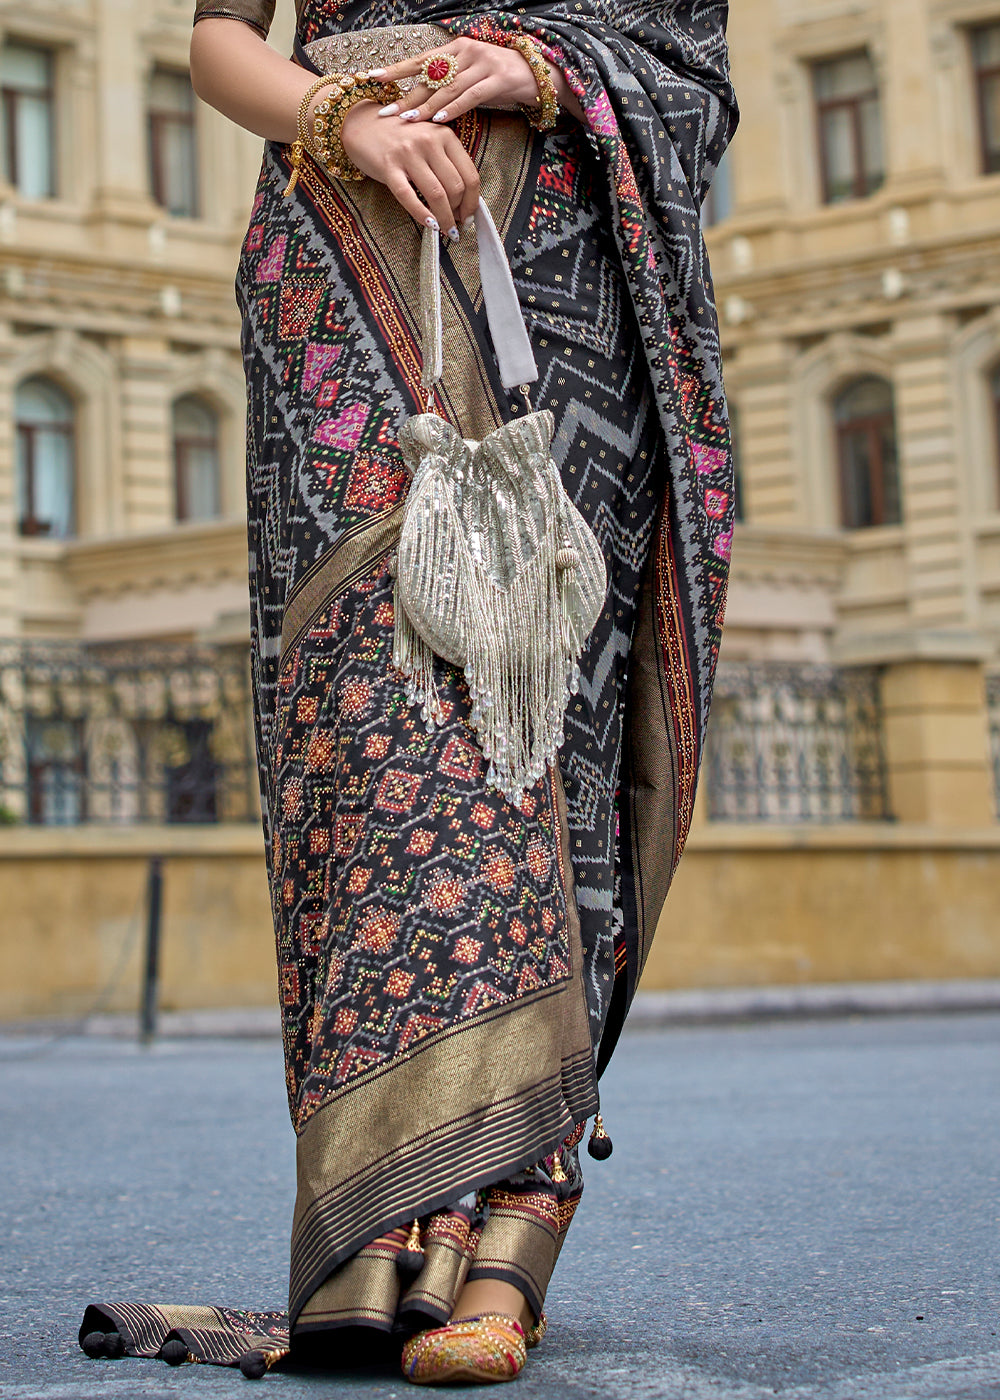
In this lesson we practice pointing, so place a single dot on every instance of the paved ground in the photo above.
(807, 1210)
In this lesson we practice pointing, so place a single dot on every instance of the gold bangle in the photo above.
(546, 114)
(330, 115)
(298, 148)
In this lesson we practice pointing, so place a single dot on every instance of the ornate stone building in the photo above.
(859, 281)
(122, 203)
(847, 827)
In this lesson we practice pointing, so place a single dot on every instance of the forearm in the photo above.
(234, 70)
(567, 97)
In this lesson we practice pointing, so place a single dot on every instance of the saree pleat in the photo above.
(453, 968)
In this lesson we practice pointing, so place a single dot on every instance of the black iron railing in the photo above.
(993, 714)
(795, 743)
(124, 733)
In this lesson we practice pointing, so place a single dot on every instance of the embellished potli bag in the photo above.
(497, 572)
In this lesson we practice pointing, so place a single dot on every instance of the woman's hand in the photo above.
(488, 76)
(404, 155)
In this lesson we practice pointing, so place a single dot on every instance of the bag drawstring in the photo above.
(515, 357)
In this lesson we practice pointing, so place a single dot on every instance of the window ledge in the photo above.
(38, 547)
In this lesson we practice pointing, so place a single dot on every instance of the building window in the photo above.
(28, 106)
(850, 127)
(46, 468)
(865, 421)
(173, 143)
(986, 63)
(197, 465)
(718, 203)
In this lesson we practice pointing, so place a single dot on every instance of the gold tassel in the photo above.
(296, 155)
(558, 1174)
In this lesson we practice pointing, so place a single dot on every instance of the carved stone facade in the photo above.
(902, 285)
(125, 309)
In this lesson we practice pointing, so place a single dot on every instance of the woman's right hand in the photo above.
(425, 166)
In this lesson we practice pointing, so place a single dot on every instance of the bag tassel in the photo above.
(414, 660)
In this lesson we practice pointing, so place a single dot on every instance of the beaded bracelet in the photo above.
(546, 114)
(330, 115)
(324, 141)
(297, 150)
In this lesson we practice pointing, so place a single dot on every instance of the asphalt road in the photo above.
(806, 1210)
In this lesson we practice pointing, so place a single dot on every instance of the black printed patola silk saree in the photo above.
(454, 970)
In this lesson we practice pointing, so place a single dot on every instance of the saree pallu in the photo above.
(455, 969)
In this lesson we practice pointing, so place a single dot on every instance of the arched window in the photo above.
(196, 460)
(46, 469)
(865, 420)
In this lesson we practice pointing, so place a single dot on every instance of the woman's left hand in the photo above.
(487, 76)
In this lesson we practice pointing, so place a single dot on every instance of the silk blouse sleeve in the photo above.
(258, 13)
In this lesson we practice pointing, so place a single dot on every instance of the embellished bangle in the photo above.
(323, 142)
(330, 115)
(298, 148)
(544, 116)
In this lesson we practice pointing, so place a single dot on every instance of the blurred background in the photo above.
(846, 829)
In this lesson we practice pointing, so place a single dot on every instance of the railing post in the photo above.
(151, 971)
(935, 727)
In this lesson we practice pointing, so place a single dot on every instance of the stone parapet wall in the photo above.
(751, 906)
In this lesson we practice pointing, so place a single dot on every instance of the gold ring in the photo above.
(438, 70)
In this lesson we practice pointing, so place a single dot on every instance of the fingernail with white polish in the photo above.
(389, 111)
(440, 116)
(453, 234)
(411, 116)
(431, 222)
(376, 72)
(469, 223)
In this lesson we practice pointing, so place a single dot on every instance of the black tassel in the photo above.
(600, 1145)
(104, 1346)
(410, 1259)
(253, 1364)
(174, 1352)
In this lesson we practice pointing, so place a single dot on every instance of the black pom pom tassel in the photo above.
(410, 1259)
(174, 1353)
(104, 1346)
(253, 1365)
(600, 1145)
(256, 1364)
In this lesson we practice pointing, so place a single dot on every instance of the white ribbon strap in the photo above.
(515, 356)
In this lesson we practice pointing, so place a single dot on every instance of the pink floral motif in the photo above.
(345, 430)
(319, 358)
(601, 117)
(707, 459)
(269, 269)
(723, 546)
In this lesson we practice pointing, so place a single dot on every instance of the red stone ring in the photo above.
(439, 70)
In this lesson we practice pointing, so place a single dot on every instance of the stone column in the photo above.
(935, 727)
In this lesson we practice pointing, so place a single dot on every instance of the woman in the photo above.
(455, 967)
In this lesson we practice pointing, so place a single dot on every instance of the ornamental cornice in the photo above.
(172, 558)
(97, 293)
(873, 287)
(765, 554)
